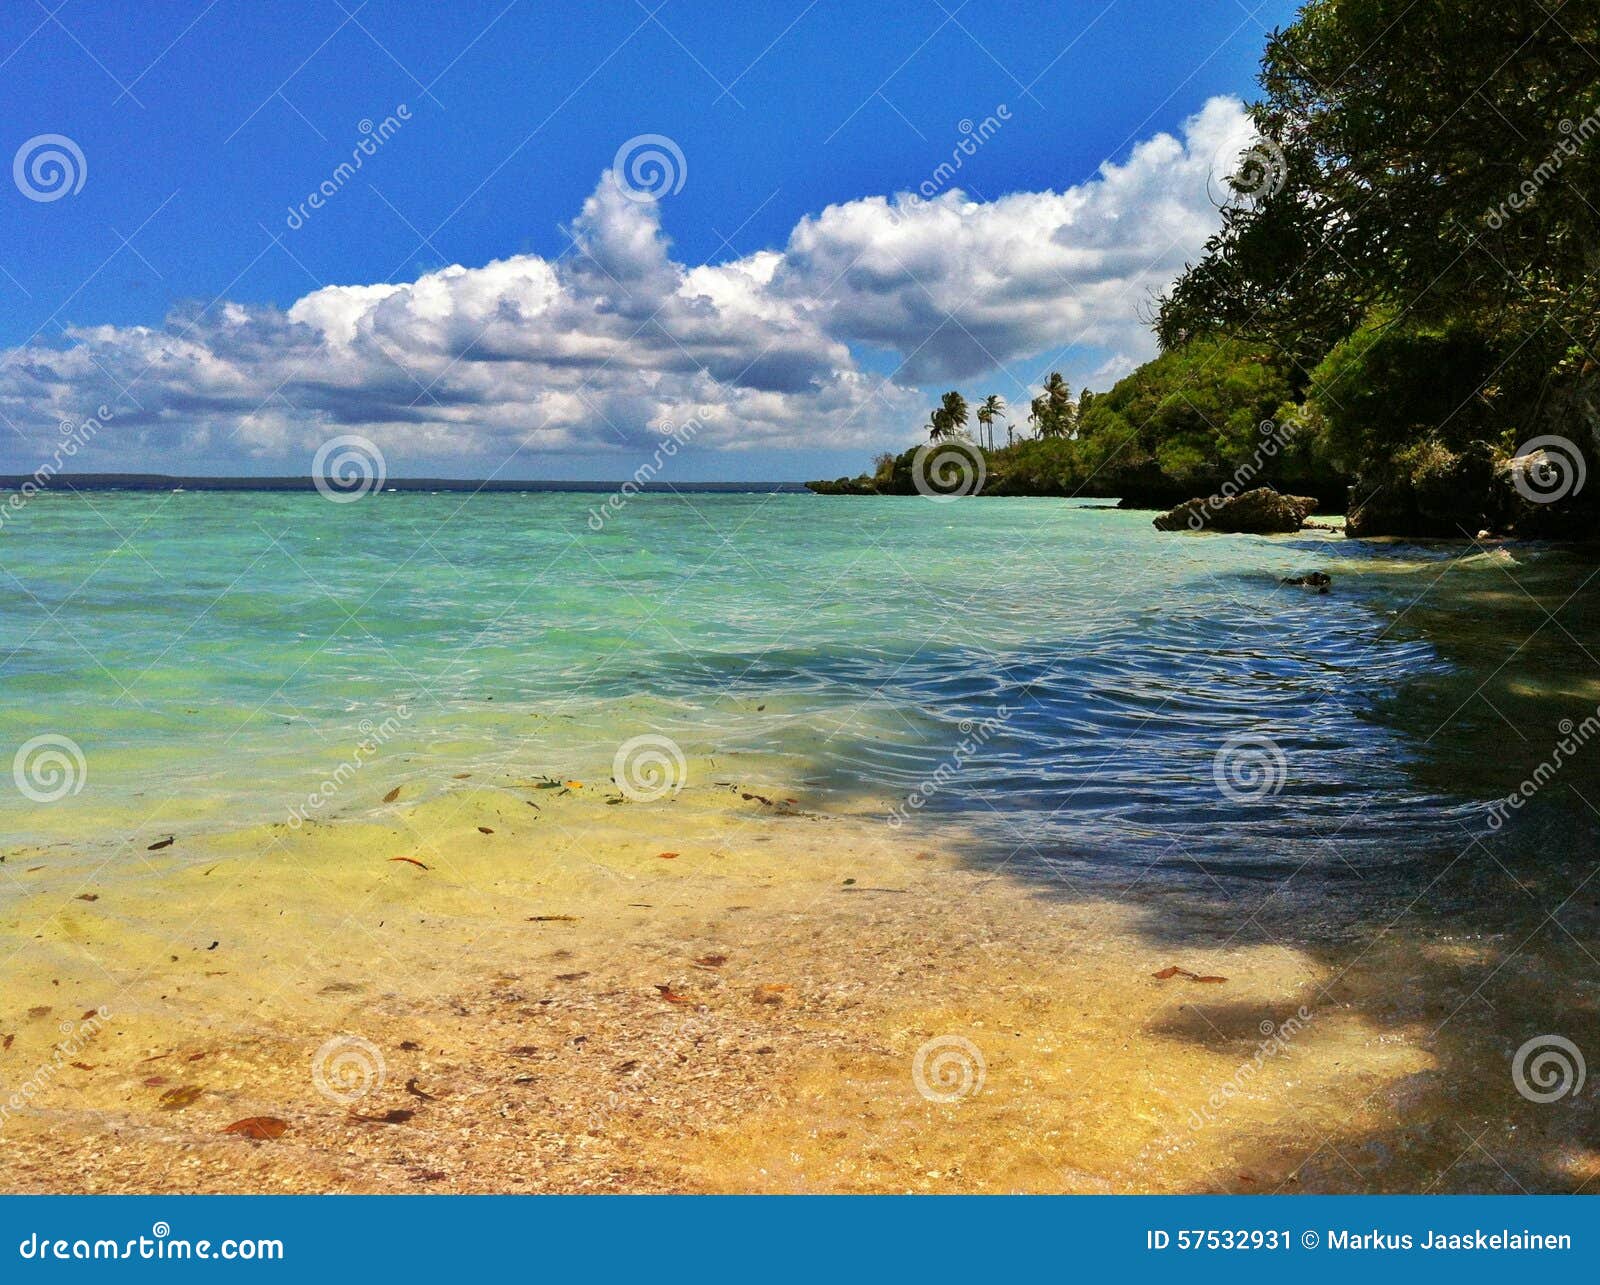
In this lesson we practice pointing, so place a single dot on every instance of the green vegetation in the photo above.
(1405, 287)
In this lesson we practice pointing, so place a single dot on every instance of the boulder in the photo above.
(1259, 512)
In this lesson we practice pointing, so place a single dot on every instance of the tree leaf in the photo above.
(259, 1128)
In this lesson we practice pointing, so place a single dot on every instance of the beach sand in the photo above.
(556, 1004)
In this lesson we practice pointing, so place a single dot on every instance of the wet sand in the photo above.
(557, 1005)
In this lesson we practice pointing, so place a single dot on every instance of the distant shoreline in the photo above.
(164, 482)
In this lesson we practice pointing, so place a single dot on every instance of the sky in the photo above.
(523, 240)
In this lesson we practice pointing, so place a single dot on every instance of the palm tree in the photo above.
(1039, 416)
(939, 424)
(954, 406)
(1057, 421)
(993, 405)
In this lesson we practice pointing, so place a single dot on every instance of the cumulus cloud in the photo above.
(612, 341)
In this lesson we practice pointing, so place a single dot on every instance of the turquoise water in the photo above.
(1058, 676)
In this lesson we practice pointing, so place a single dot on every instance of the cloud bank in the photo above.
(831, 342)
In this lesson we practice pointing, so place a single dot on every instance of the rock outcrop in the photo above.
(1259, 512)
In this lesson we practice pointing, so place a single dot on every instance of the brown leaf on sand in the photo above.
(178, 1097)
(410, 861)
(461, 776)
(398, 1116)
(7, 1042)
(552, 919)
(711, 961)
(161, 843)
(667, 856)
(483, 829)
(771, 992)
(392, 795)
(1173, 970)
(672, 996)
(259, 1128)
(88, 896)
(414, 1091)
(39, 1010)
(81, 1066)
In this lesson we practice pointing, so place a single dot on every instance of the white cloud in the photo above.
(596, 348)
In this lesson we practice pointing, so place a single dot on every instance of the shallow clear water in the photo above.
(1059, 676)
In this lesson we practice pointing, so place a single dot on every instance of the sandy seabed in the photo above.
(486, 986)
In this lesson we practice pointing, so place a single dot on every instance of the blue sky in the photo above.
(163, 287)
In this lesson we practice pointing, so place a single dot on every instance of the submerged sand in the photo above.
(728, 990)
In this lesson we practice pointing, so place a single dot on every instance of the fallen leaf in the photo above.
(461, 776)
(574, 785)
(553, 919)
(398, 1116)
(161, 843)
(771, 992)
(81, 1066)
(672, 996)
(666, 856)
(39, 1010)
(483, 829)
(414, 1091)
(429, 1175)
(259, 1128)
(622, 1068)
(410, 1046)
(570, 977)
(178, 1097)
(1210, 979)
(712, 961)
(392, 795)
(7, 1042)
(1170, 971)
(154, 1081)
(410, 861)
(88, 896)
